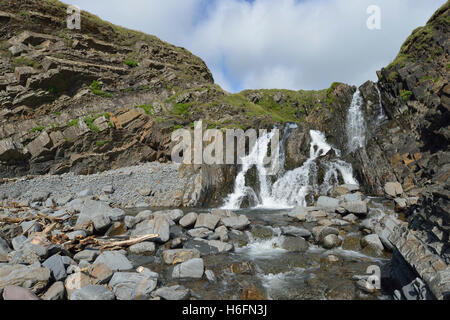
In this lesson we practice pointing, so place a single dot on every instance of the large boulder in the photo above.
(162, 228)
(97, 212)
(207, 221)
(238, 223)
(393, 189)
(327, 202)
(133, 286)
(32, 277)
(356, 207)
(295, 244)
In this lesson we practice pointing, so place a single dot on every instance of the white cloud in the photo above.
(296, 44)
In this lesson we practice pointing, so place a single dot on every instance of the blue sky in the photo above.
(292, 44)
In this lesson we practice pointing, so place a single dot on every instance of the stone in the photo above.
(327, 202)
(93, 292)
(144, 215)
(210, 276)
(162, 228)
(188, 220)
(116, 214)
(202, 246)
(175, 215)
(55, 292)
(351, 187)
(208, 221)
(32, 277)
(56, 266)
(296, 232)
(99, 273)
(393, 189)
(133, 286)
(400, 204)
(338, 191)
(145, 192)
(295, 244)
(356, 207)
(96, 211)
(351, 218)
(372, 241)
(331, 241)
(221, 246)
(176, 256)
(173, 293)
(130, 222)
(18, 293)
(4, 247)
(39, 145)
(39, 196)
(114, 261)
(18, 242)
(85, 193)
(76, 234)
(143, 248)
(200, 233)
(144, 228)
(109, 189)
(191, 269)
(76, 281)
(223, 213)
(321, 232)
(238, 223)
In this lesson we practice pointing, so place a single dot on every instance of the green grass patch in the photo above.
(74, 122)
(405, 95)
(148, 108)
(19, 62)
(38, 128)
(101, 143)
(181, 109)
(90, 123)
(96, 89)
(130, 63)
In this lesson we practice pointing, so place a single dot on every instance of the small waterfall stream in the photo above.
(291, 188)
(356, 127)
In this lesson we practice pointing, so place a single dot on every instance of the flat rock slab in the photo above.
(133, 286)
(115, 261)
(92, 292)
(173, 293)
(18, 293)
(179, 255)
(191, 269)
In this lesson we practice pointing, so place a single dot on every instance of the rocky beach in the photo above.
(92, 207)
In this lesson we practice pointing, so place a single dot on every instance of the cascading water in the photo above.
(381, 115)
(356, 127)
(293, 187)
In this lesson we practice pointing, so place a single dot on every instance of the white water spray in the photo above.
(293, 187)
(356, 127)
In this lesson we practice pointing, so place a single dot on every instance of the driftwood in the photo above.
(79, 244)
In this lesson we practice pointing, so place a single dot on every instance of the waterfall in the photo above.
(381, 115)
(293, 187)
(356, 128)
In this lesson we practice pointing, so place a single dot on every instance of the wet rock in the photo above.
(18, 293)
(203, 247)
(238, 223)
(188, 220)
(200, 233)
(296, 232)
(351, 243)
(372, 241)
(133, 286)
(242, 268)
(173, 293)
(208, 221)
(56, 266)
(338, 191)
(331, 241)
(327, 202)
(221, 246)
(92, 292)
(356, 207)
(366, 286)
(143, 248)
(179, 255)
(191, 269)
(393, 189)
(250, 292)
(321, 232)
(210, 276)
(55, 292)
(114, 261)
(295, 244)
